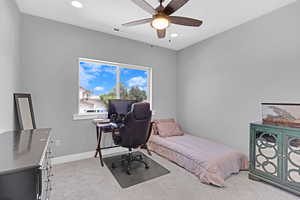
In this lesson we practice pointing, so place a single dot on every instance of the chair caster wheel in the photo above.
(147, 167)
(113, 166)
(128, 172)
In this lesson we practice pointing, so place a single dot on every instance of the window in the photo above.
(100, 81)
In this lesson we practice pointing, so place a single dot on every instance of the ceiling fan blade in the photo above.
(185, 21)
(173, 6)
(137, 22)
(145, 6)
(161, 33)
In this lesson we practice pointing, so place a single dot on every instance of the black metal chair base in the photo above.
(129, 159)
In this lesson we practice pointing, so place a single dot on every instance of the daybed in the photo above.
(211, 162)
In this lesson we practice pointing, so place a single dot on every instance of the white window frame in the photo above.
(82, 116)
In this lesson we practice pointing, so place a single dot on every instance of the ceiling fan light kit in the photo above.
(160, 22)
(161, 18)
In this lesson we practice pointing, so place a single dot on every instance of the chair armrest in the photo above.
(113, 125)
(116, 128)
(117, 125)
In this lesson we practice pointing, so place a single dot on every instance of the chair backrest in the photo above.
(119, 108)
(136, 126)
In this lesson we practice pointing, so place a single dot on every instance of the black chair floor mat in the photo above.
(138, 171)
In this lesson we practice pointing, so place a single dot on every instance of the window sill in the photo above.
(84, 116)
(89, 116)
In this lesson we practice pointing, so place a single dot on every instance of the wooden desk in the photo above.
(102, 127)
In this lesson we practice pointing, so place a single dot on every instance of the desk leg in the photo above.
(99, 148)
(98, 145)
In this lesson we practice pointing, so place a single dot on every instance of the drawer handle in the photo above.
(284, 156)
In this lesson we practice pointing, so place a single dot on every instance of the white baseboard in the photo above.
(86, 155)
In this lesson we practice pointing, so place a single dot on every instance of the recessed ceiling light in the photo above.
(174, 35)
(77, 4)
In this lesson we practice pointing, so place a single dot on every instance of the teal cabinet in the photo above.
(275, 155)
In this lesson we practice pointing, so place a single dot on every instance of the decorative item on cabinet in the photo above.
(281, 114)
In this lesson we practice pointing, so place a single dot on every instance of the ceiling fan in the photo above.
(161, 18)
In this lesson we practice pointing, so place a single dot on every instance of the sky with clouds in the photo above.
(101, 79)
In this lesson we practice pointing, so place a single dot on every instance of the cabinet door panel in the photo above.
(267, 153)
(292, 160)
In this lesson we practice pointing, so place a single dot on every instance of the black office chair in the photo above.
(134, 132)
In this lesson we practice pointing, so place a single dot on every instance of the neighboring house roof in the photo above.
(85, 90)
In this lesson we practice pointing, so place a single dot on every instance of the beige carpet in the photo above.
(86, 180)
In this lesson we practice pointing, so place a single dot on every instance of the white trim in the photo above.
(116, 63)
(3, 131)
(85, 116)
(118, 84)
(149, 92)
(86, 155)
(78, 89)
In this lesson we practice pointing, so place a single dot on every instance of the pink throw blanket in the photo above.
(210, 161)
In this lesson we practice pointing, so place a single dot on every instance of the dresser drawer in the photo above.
(46, 174)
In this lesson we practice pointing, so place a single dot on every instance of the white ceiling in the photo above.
(104, 15)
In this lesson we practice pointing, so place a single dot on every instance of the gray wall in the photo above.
(222, 80)
(9, 61)
(50, 72)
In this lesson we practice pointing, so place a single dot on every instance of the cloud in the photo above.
(89, 67)
(90, 71)
(137, 81)
(108, 69)
(99, 88)
(97, 68)
(124, 71)
(85, 77)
